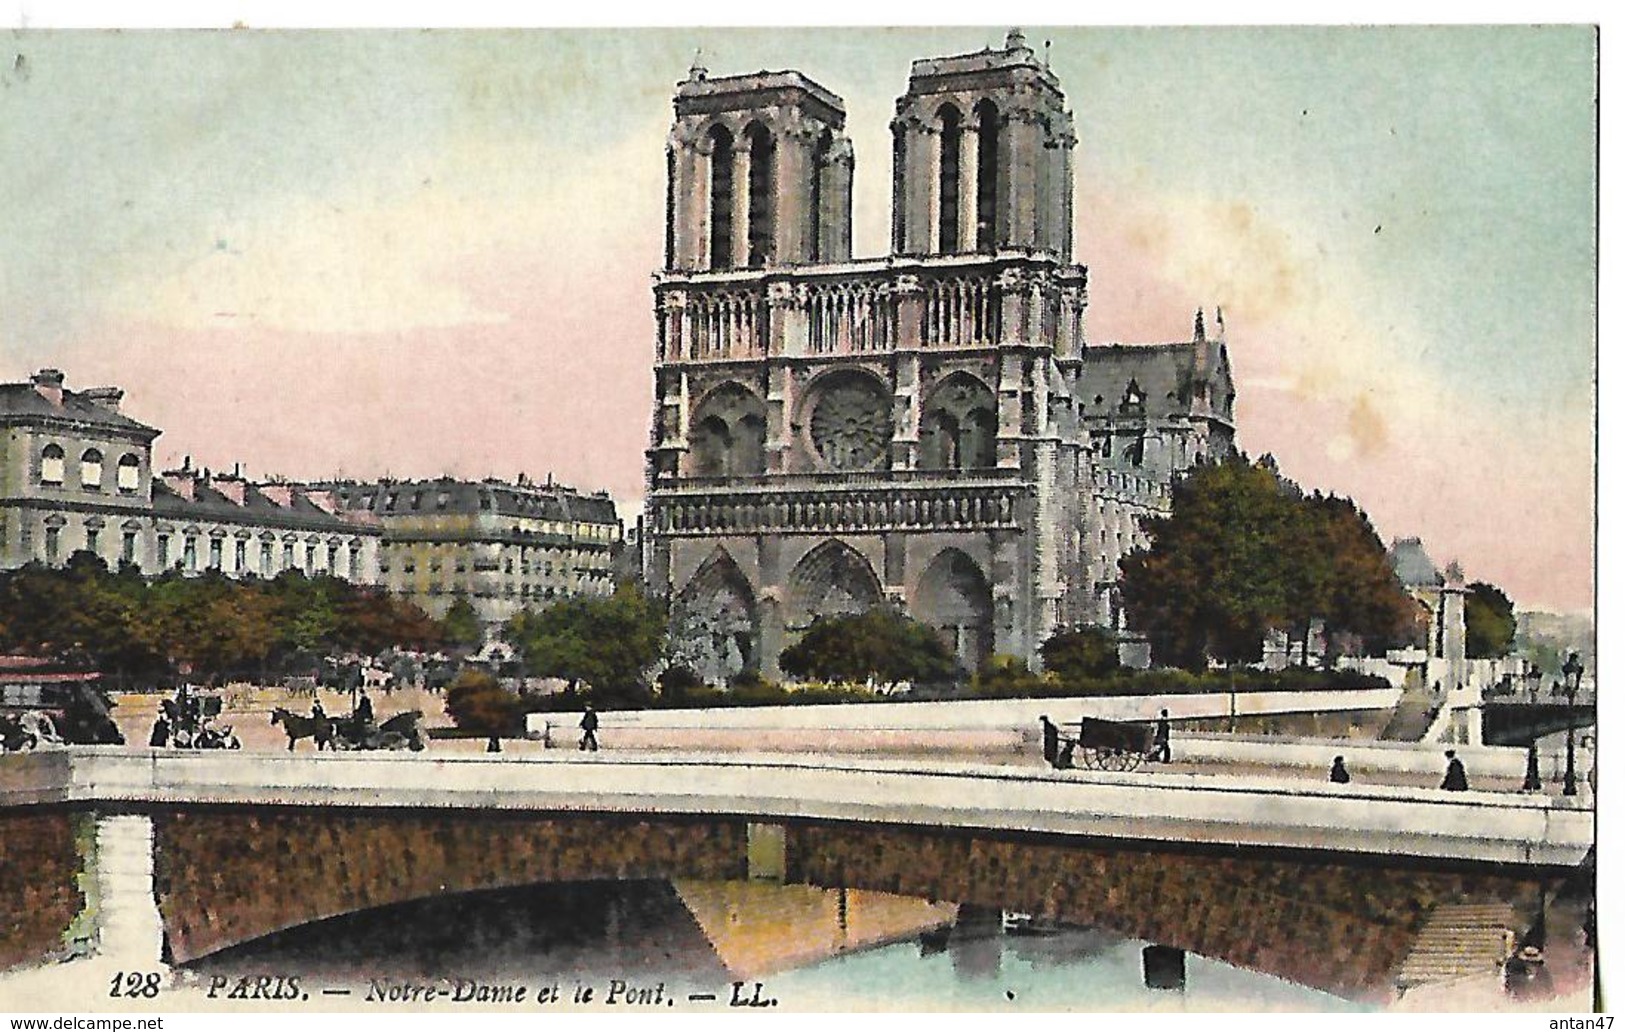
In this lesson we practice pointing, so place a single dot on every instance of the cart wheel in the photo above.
(1093, 758)
(1134, 760)
(1114, 760)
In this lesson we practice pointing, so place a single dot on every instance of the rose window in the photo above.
(851, 424)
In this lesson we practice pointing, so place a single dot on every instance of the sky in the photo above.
(422, 252)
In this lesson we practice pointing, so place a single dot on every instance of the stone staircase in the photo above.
(1458, 941)
(1414, 715)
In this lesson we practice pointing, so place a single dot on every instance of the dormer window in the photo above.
(90, 469)
(52, 465)
(129, 473)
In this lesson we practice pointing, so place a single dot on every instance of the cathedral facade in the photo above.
(929, 429)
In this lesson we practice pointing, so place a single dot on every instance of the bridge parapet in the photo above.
(1232, 810)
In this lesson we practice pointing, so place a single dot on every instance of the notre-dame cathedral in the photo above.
(930, 428)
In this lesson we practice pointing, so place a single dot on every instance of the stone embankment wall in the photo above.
(224, 876)
(40, 894)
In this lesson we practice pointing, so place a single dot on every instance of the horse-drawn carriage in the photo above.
(42, 707)
(402, 731)
(1107, 745)
(191, 721)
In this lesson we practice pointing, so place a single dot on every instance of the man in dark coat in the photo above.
(160, 732)
(1340, 773)
(363, 709)
(1159, 740)
(1455, 775)
(1052, 740)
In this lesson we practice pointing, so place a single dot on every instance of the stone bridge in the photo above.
(178, 856)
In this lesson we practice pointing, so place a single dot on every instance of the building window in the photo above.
(163, 551)
(288, 560)
(129, 474)
(90, 469)
(53, 544)
(93, 538)
(355, 561)
(189, 553)
(51, 465)
(128, 555)
(265, 558)
(215, 553)
(240, 556)
(333, 559)
(310, 559)
(722, 197)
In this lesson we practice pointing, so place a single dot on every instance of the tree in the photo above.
(476, 702)
(1215, 578)
(1244, 553)
(1080, 654)
(462, 625)
(608, 643)
(1491, 624)
(880, 644)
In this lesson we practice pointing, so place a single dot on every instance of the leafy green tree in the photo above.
(1244, 553)
(1215, 578)
(461, 625)
(1491, 624)
(475, 701)
(880, 644)
(609, 643)
(1080, 653)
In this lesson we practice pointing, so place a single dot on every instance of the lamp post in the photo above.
(1571, 687)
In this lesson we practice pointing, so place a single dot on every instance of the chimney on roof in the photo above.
(106, 397)
(327, 501)
(233, 488)
(279, 494)
(182, 481)
(49, 384)
(1200, 333)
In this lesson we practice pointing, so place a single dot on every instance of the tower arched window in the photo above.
(722, 195)
(899, 177)
(987, 174)
(820, 174)
(51, 465)
(760, 207)
(129, 473)
(671, 208)
(90, 469)
(948, 192)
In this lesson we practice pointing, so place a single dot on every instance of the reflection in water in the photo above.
(703, 936)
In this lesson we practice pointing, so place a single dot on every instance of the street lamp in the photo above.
(1571, 687)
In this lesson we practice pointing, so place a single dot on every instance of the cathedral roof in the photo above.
(1155, 380)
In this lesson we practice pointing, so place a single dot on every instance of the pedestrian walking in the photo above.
(160, 732)
(1455, 775)
(363, 709)
(1160, 752)
(1052, 740)
(1340, 773)
(494, 745)
(589, 730)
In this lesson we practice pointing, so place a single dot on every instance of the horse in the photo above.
(375, 679)
(297, 726)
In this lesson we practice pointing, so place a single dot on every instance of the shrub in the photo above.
(476, 702)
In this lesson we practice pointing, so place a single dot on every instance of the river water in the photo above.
(798, 949)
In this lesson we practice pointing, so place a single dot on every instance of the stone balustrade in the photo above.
(857, 509)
